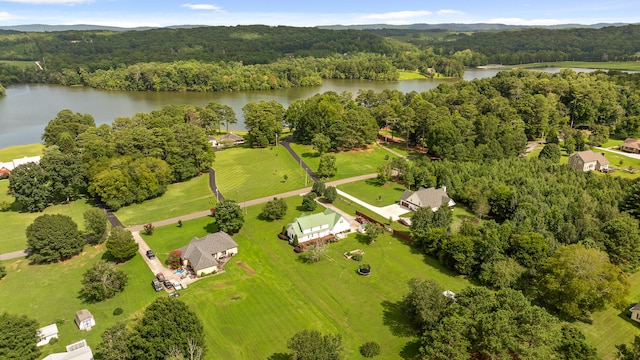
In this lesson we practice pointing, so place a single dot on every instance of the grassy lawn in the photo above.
(21, 64)
(13, 223)
(613, 326)
(261, 174)
(180, 199)
(612, 143)
(349, 163)
(20, 151)
(250, 311)
(370, 191)
(408, 75)
(49, 293)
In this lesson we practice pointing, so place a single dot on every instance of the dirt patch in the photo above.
(246, 267)
(219, 285)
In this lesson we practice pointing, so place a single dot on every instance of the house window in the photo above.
(224, 252)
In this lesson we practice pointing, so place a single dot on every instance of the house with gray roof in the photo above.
(207, 254)
(631, 145)
(77, 351)
(635, 312)
(231, 139)
(317, 226)
(426, 197)
(588, 161)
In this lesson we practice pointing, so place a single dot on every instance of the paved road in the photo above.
(312, 174)
(13, 255)
(634, 156)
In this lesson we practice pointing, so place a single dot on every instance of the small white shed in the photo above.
(85, 320)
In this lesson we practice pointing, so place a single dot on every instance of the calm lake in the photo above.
(26, 109)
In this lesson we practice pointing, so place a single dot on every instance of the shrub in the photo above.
(148, 229)
(357, 257)
(117, 311)
(3, 271)
(370, 349)
(174, 259)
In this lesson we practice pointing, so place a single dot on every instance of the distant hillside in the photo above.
(82, 27)
(464, 27)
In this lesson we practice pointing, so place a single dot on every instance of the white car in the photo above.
(176, 284)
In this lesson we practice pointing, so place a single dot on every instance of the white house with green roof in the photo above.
(317, 226)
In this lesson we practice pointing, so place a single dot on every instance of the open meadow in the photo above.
(371, 192)
(349, 163)
(180, 199)
(19, 151)
(245, 174)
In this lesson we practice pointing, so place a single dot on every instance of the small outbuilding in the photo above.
(77, 351)
(85, 320)
(635, 312)
(45, 334)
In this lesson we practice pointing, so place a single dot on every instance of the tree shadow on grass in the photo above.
(310, 155)
(411, 350)
(395, 318)
(280, 356)
(211, 228)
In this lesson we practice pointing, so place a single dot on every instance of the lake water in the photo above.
(26, 109)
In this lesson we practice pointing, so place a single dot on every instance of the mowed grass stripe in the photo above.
(245, 174)
(180, 199)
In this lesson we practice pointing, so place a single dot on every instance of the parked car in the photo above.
(168, 284)
(176, 284)
(361, 220)
(151, 255)
(174, 294)
(160, 276)
(156, 284)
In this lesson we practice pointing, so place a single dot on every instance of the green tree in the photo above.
(3, 272)
(313, 253)
(121, 244)
(372, 231)
(425, 304)
(28, 184)
(327, 167)
(622, 241)
(115, 343)
(18, 337)
(103, 281)
(577, 281)
(309, 202)
(629, 352)
(550, 152)
(66, 122)
(65, 175)
(574, 345)
(370, 349)
(229, 216)
(330, 194)
(52, 238)
(166, 325)
(321, 143)
(274, 209)
(318, 187)
(263, 121)
(631, 202)
(222, 114)
(501, 273)
(312, 345)
(96, 224)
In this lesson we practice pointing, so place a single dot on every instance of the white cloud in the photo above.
(519, 21)
(202, 7)
(50, 2)
(6, 16)
(449, 12)
(398, 15)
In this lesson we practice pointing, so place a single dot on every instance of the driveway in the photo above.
(155, 265)
(634, 156)
(390, 211)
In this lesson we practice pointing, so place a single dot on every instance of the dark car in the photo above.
(151, 255)
(168, 284)
(156, 284)
(160, 276)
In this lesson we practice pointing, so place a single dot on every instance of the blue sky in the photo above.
(130, 13)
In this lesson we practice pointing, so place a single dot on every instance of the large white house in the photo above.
(426, 197)
(77, 351)
(45, 334)
(317, 226)
(206, 254)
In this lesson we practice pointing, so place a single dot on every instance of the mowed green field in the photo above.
(245, 174)
(180, 199)
(49, 293)
(371, 192)
(349, 163)
(13, 224)
(20, 151)
(267, 294)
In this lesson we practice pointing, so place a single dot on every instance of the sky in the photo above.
(158, 13)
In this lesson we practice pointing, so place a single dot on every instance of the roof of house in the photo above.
(428, 197)
(589, 156)
(48, 330)
(328, 217)
(231, 136)
(82, 315)
(25, 160)
(632, 143)
(200, 251)
(7, 165)
(76, 351)
(635, 307)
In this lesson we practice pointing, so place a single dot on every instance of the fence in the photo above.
(393, 232)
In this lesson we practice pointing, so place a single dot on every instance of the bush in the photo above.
(309, 202)
(370, 349)
(148, 229)
(3, 271)
(357, 257)
(117, 311)
(318, 187)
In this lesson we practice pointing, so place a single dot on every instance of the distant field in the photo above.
(267, 294)
(245, 174)
(22, 64)
(349, 163)
(407, 75)
(180, 199)
(621, 65)
(20, 151)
